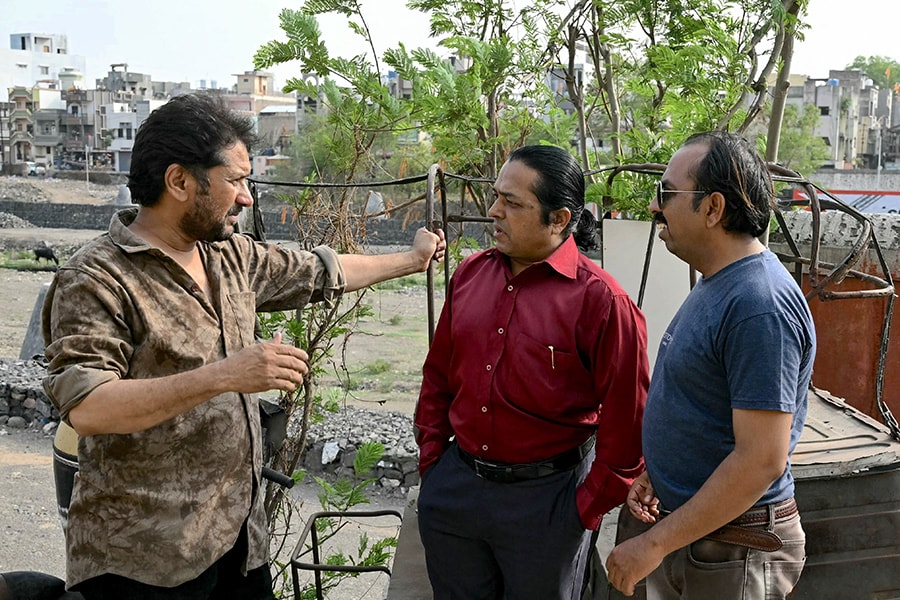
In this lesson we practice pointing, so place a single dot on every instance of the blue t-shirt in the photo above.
(743, 339)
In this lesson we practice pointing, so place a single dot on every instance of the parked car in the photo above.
(36, 169)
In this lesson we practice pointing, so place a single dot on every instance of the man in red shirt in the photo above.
(529, 417)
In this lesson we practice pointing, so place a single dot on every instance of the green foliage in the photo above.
(379, 366)
(346, 495)
(457, 250)
(367, 456)
(883, 71)
(24, 260)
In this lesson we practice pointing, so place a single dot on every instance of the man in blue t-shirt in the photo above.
(728, 395)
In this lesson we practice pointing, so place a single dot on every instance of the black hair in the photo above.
(190, 130)
(733, 167)
(560, 184)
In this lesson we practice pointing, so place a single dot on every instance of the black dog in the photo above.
(45, 252)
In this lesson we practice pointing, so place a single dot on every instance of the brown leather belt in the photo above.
(741, 532)
(759, 515)
(511, 472)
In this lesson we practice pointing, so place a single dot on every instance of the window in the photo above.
(824, 111)
(45, 70)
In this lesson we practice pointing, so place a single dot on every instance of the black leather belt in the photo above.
(510, 472)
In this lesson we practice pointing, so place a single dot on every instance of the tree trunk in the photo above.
(781, 86)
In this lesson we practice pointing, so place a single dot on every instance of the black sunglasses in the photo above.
(661, 192)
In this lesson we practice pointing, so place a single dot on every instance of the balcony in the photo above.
(75, 120)
(47, 139)
(20, 113)
(75, 145)
(21, 136)
(75, 96)
(19, 92)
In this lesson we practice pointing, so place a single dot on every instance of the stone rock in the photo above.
(17, 423)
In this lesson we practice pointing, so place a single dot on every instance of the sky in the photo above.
(185, 40)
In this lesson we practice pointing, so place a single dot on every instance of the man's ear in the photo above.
(179, 182)
(559, 220)
(713, 207)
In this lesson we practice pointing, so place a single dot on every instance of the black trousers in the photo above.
(488, 541)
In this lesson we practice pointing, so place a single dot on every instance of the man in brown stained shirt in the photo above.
(153, 361)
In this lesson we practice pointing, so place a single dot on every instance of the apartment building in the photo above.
(35, 57)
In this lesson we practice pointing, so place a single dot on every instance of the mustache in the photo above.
(659, 218)
(235, 211)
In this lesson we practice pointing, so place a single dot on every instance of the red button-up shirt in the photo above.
(524, 368)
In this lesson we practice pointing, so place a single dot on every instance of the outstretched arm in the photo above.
(363, 270)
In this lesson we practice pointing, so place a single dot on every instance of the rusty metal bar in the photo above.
(317, 566)
(429, 220)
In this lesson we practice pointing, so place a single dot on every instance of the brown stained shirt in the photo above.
(163, 504)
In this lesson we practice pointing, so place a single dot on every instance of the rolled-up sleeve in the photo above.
(87, 340)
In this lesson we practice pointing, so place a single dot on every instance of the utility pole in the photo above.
(4, 113)
(878, 144)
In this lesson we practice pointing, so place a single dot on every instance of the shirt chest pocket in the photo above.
(547, 375)
(240, 320)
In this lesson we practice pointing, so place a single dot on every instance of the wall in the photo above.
(278, 223)
(668, 282)
(857, 179)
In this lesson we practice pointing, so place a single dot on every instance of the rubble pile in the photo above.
(8, 221)
(20, 189)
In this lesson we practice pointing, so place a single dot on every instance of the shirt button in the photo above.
(484, 409)
(488, 367)
(500, 331)
(484, 447)
(195, 288)
(509, 288)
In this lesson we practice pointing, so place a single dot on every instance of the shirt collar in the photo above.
(563, 260)
(122, 236)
